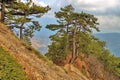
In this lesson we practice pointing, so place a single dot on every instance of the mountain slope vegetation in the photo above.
(36, 66)
(74, 54)
(9, 68)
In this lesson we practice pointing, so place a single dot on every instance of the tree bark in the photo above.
(73, 47)
(21, 29)
(67, 45)
(77, 48)
(2, 12)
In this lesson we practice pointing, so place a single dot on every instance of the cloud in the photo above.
(109, 23)
(107, 11)
(55, 6)
(113, 11)
(99, 5)
(40, 3)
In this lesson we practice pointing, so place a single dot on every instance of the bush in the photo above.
(57, 50)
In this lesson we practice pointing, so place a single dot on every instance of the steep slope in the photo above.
(35, 68)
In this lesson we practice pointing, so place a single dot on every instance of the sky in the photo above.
(107, 12)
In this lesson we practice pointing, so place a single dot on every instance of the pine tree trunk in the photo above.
(77, 45)
(2, 12)
(73, 47)
(21, 29)
(67, 45)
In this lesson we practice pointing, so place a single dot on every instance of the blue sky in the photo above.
(107, 12)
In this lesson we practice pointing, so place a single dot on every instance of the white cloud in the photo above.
(109, 23)
(107, 11)
(99, 5)
(40, 3)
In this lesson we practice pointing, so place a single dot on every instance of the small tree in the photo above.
(73, 23)
(57, 50)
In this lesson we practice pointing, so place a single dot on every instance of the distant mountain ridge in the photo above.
(113, 42)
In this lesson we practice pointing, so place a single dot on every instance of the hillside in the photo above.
(30, 64)
(35, 66)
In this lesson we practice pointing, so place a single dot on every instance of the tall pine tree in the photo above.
(73, 24)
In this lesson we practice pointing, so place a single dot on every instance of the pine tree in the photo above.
(22, 16)
(25, 13)
(73, 23)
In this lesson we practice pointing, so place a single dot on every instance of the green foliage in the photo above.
(9, 68)
(111, 62)
(97, 48)
(57, 50)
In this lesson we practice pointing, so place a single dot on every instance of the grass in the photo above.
(9, 68)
